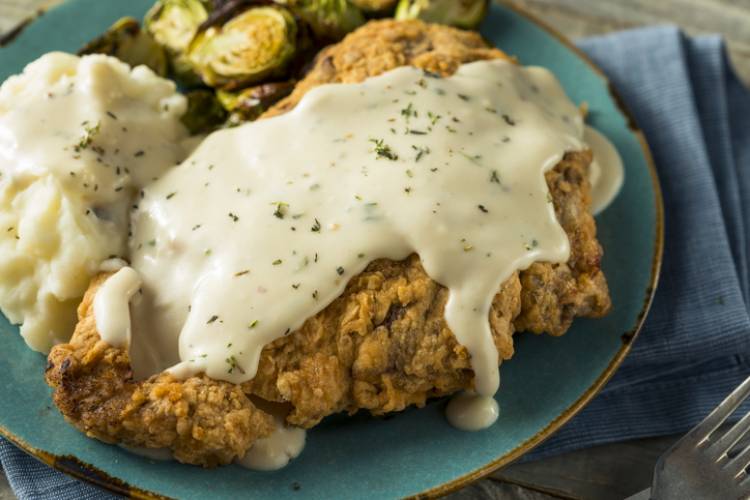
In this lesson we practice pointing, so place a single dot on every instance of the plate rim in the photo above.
(73, 466)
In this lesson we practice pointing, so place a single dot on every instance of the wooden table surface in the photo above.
(612, 471)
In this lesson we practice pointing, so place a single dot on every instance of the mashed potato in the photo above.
(79, 137)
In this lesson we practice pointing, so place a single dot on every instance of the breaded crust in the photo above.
(381, 346)
(203, 421)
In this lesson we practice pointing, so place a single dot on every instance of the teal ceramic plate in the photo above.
(417, 452)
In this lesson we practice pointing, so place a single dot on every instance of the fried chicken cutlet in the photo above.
(381, 346)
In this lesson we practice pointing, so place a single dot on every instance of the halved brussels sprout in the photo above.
(257, 44)
(375, 6)
(174, 23)
(465, 14)
(205, 113)
(126, 41)
(249, 104)
(329, 19)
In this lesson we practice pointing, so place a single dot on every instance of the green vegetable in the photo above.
(174, 24)
(205, 113)
(126, 41)
(328, 19)
(375, 6)
(255, 45)
(465, 14)
(250, 103)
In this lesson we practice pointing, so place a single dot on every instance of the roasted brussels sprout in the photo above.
(174, 23)
(465, 14)
(249, 104)
(257, 44)
(375, 6)
(126, 41)
(328, 19)
(205, 113)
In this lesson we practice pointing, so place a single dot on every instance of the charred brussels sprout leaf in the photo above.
(205, 113)
(257, 44)
(465, 14)
(174, 23)
(328, 19)
(250, 103)
(126, 41)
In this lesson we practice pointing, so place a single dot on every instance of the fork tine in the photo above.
(719, 448)
(721, 412)
(738, 464)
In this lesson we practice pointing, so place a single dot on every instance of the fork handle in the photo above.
(643, 495)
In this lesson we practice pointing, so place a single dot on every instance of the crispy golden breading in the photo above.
(381, 346)
(203, 421)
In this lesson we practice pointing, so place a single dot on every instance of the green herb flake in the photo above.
(277, 262)
(382, 150)
(232, 362)
(315, 227)
(421, 151)
(281, 209)
(89, 133)
(212, 319)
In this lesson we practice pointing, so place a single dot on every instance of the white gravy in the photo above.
(606, 172)
(275, 451)
(471, 412)
(262, 227)
(112, 306)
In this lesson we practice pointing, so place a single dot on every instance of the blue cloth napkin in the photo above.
(695, 346)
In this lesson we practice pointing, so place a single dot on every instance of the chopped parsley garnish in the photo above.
(509, 120)
(232, 362)
(212, 319)
(408, 112)
(340, 271)
(483, 209)
(242, 273)
(88, 136)
(383, 150)
(315, 227)
(281, 209)
(421, 151)
(277, 262)
(495, 177)
(472, 158)
(463, 97)
(171, 195)
(253, 324)
(234, 217)
(139, 153)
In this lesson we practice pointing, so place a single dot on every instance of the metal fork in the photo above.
(699, 465)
